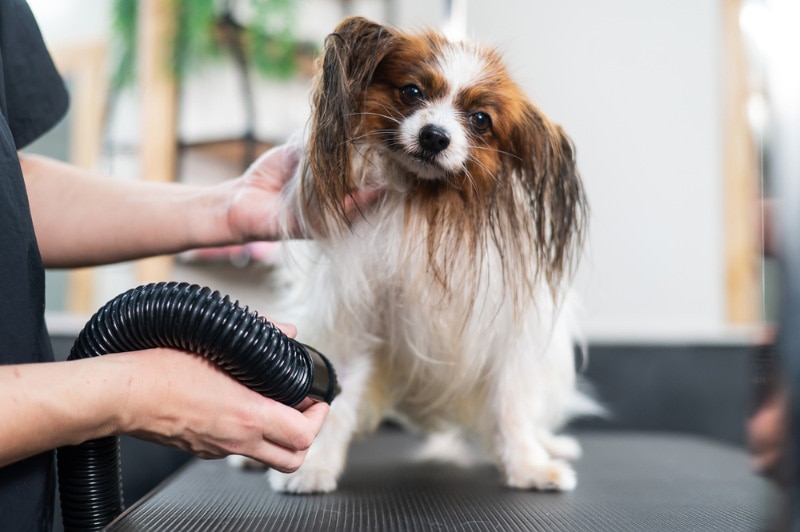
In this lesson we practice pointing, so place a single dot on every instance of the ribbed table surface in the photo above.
(626, 481)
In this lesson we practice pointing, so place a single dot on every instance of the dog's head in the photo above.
(465, 139)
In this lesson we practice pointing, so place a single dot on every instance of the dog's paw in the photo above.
(563, 447)
(553, 475)
(242, 462)
(303, 481)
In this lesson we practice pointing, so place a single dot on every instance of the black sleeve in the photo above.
(33, 95)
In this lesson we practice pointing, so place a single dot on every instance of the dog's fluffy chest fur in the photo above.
(435, 344)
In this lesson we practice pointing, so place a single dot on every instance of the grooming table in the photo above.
(626, 481)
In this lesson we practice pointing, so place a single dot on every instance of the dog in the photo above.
(447, 302)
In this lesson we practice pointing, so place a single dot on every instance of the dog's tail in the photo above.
(584, 402)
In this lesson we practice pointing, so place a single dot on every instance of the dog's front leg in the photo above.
(326, 458)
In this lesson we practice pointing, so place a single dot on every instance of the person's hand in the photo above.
(256, 204)
(184, 401)
(767, 435)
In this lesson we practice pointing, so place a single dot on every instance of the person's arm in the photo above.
(84, 219)
(161, 395)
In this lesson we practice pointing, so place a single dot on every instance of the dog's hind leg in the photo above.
(528, 400)
(560, 446)
(525, 462)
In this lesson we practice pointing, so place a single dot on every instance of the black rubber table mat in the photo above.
(626, 481)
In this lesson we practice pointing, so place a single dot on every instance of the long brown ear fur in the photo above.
(350, 56)
(556, 197)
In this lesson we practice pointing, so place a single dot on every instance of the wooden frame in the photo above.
(85, 67)
(159, 105)
(743, 246)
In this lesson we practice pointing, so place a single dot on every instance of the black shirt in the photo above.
(32, 100)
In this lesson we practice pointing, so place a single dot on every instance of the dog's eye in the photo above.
(410, 94)
(480, 122)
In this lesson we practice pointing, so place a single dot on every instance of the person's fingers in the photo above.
(358, 201)
(316, 414)
(305, 403)
(766, 434)
(766, 460)
(286, 328)
(288, 435)
(277, 457)
(292, 429)
(281, 160)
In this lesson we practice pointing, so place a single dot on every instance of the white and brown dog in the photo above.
(446, 304)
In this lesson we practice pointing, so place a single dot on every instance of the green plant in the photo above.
(210, 29)
(258, 35)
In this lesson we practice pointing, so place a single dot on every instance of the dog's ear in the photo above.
(555, 194)
(350, 56)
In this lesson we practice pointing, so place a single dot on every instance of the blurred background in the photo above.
(664, 104)
(668, 102)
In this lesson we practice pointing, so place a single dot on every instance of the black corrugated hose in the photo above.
(193, 319)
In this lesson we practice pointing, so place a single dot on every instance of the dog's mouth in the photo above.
(423, 165)
(425, 158)
(419, 162)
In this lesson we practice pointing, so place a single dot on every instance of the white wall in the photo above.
(636, 84)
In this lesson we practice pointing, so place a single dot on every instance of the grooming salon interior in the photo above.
(684, 116)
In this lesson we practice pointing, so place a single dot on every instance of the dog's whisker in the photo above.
(387, 108)
(495, 150)
(393, 119)
(471, 180)
(478, 162)
(368, 134)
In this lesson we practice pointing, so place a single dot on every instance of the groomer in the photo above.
(55, 215)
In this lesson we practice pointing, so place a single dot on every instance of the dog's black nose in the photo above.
(433, 139)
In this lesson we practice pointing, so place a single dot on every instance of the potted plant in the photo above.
(257, 35)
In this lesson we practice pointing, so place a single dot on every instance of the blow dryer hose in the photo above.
(194, 319)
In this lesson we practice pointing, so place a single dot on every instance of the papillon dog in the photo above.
(445, 303)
